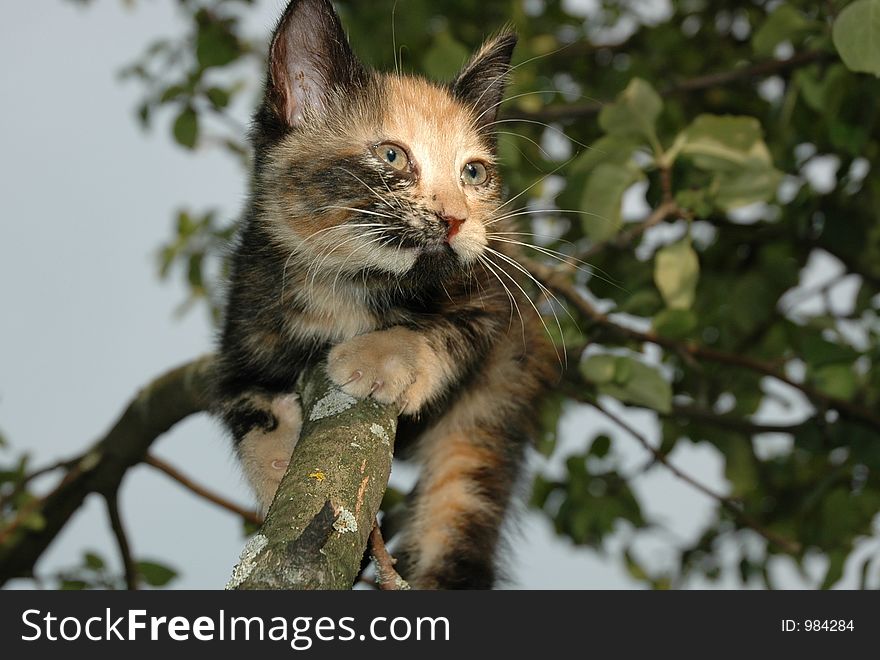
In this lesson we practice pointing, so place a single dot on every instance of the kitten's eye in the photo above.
(474, 174)
(393, 155)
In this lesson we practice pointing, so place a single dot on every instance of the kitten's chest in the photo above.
(331, 312)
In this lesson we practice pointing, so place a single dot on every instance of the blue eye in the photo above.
(474, 174)
(393, 155)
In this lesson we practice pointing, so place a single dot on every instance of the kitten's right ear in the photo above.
(309, 58)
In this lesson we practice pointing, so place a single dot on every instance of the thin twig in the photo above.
(387, 578)
(699, 83)
(625, 238)
(559, 283)
(788, 545)
(734, 423)
(21, 485)
(249, 516)
(132, 577)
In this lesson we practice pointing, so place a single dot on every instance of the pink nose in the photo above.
(453, 224)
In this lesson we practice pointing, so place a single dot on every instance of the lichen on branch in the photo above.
(317, 527)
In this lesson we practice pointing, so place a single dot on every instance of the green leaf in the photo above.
(216, 44)
(675, 323)
(603, 197)
(186, 128)
(73, 585)
(634, 112)
(837, 380)
(93, 561)
(599, 369)
(736, 189)
(723, 143)
(856, 35)
(733, 148)
(445, 57)
(154, 574)
(616, 149)
(836, 561)
(600, 446)
(784, 24)
(218, 97)
(676, 272)
(172, 92)
(628, 380)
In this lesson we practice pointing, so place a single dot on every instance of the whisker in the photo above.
(568, 260)
(356, 210)
(562, 362)
(484, 262)
(539, 123)
(523, 192)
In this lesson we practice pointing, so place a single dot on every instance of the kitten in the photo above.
(366, 245)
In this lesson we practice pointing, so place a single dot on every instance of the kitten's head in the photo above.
(365, 171)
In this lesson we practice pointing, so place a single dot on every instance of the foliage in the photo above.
(723, 112)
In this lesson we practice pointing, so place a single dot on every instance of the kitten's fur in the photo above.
(406, 310)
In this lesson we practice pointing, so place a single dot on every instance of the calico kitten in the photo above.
(366, 245)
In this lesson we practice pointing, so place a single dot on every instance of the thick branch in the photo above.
(317, 528)
(159, 406)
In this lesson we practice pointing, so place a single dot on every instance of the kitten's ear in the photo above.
(481, 83)
(309, 58)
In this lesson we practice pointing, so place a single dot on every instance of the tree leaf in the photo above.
(628, 380)
(599, 369)
(186, 128)
(634, 112)
(445, 57)
(616, 149)
(216, 44)
(675, 323)
(93, 561)
(856, 35)
(723, 143)
(603, 197)
(676, 272)
(784, 24)
(218, 97)
(732, 190)
(154, 574)
(837, 380)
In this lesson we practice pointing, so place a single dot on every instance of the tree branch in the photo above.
(317, 527)
(246, 514)
(100, 469)
(698, 83)
(132, 577)
(557, 281)
(387, 578)
(786, 544)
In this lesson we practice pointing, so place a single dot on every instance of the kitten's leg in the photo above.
(452, 536)
(266, 430)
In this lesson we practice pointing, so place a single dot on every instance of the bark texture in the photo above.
(318, 526)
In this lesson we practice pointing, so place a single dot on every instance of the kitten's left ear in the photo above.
(481, 83)
(309, 60)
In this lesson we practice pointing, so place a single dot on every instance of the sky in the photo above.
(87, 198)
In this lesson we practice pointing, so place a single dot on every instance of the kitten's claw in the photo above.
(280, 465)
(389, 366)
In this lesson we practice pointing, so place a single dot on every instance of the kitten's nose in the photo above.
(453, 224)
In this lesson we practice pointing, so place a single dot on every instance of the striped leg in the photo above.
(459, 506)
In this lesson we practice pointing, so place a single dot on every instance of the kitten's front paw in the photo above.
(391, 366)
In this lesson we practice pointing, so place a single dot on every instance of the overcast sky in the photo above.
(86, 199)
